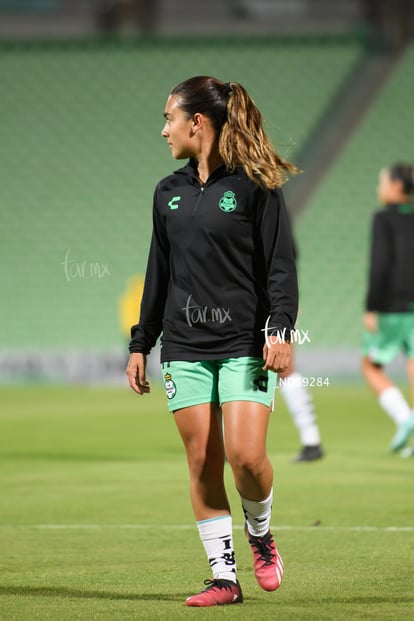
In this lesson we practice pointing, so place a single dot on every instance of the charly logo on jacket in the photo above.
(173, 204)
(170, 387)
(228, 201)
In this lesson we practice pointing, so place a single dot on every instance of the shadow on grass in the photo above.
(64, 592)
(78, 593)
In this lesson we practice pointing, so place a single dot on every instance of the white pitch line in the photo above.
(316, 528)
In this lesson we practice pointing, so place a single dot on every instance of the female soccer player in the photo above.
(221, 286)
(389, 316)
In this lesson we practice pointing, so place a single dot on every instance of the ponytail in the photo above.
(239, 126)
(243, 142)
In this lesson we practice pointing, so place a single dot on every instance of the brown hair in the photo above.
(239, 125)
(405, 174)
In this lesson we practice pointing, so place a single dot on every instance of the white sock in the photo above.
(217, 538)
(257, 514)
(300, 405)
(393, 402)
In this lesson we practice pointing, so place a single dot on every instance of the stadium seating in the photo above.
(82, 151)
(333, 231)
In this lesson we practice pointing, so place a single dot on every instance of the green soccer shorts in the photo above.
(395, 334)
(217, 381)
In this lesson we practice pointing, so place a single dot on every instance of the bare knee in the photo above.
(369, 365)
(204, 463)
(252, 464)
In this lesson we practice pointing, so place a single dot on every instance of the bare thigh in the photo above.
(201, 432)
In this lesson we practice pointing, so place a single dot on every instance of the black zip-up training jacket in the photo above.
(391, 276)
(220, 263)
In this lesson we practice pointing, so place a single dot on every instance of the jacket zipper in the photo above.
(198, 199)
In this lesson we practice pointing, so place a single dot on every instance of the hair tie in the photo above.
(228, 88)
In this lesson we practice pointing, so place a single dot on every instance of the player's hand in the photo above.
(370, 321)
(276, 356)
(136, 373)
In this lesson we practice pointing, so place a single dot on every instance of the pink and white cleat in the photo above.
(217, 593)
(268, 564)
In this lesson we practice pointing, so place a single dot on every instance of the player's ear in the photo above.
(197, 121)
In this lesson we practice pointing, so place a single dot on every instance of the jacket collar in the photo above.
(190, 170)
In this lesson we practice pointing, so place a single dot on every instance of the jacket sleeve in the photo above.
(379, 263)
(144, 334)
(279, 256)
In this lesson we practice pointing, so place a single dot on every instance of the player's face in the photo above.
(177, 130)
(388, 190)
(384, 187)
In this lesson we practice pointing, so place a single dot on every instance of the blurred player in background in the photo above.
(221, 265)
(299, 402)
(389, 316)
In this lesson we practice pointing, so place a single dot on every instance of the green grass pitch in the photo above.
(96, 523)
